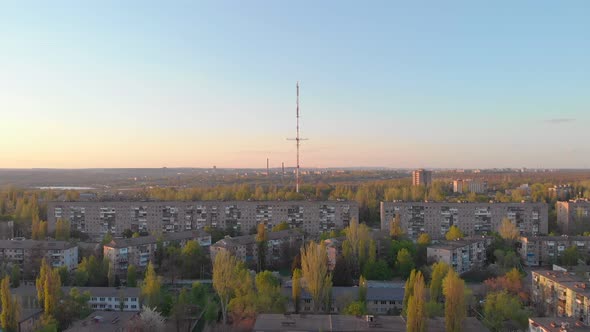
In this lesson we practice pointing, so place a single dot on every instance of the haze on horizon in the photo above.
(140, 84)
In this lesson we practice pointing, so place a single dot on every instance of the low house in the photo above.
(463, 255)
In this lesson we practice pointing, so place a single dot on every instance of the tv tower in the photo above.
(297, 140)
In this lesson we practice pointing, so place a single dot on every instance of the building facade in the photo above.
(101, 298)
(545, 250)
(463, 255)
(26, 252)
(140, 251)
(561, 294)
(573, 217)
(245, 247)
(437, 218)
(99, 218)
(472, 186)
(421, 177)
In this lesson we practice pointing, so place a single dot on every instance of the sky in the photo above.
(436, 84)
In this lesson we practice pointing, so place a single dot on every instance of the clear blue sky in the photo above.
(416, 84)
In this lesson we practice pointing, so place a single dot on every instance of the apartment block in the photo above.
(472, 186)
(246, 249)
(561, 192)
(29, 252)
(421, 177)
(101, 298)
(436, 218)
(99, 218)
(551, 324)
(561, 294)
(573, 217)
(463, 255)
(545, 250)
(141, 250)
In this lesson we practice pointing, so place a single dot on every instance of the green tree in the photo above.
(10, 315)
(131, 276)
(416, 311)
(378, 270)
(423, 239)
(395, 227)
(62, 230)
(269, 299)
(151, 287)
(356, 308)
(454, 233)
(404, 263)
(502, 306)
(282, 226)
(15, 276)
(296, 288)
(455, 309)
(261, 244)
(570, 256)
(224, 267)
(192, 258)
(318, 280)
(363, 289)
(127, 233)
(439, 272)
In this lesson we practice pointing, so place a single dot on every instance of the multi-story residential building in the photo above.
(472, 186)
(463, 255)
(436, 218)
(246, 248)
(27, 252)
(141, 250)
(562, 192)
(98, 218)
(561, 294)
(101, 298)
(421, 177)
(545, 250)
(573, 217)
(551, 324)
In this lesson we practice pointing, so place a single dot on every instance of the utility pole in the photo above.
(297, 140)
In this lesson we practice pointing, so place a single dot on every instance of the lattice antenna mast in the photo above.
(297, 140)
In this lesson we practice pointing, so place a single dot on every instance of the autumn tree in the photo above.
(416, 311)
(62, 230)
(314, 267)
(243, 303)
(455, 309)
(150, 287)
(282, 226)
(423, 239)
(408, 291)
(439, 272)
(508, 231)
(296, 288)
(363, 289)
(500, 307)
(48, 286)
(404, 262)
(261, 239)
(10, 315)
(131, 276)
(15, 276)
(355, 246)
(192, 258)
(454, 233)
(395, 227)
(269, 298)
(510, 282)
(224, 267)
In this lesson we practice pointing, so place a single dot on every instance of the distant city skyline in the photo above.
(384, 84)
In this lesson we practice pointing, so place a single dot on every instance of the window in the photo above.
(133, 306)
(383, 302)
(391, 302)
(375, 302)
(102, 299)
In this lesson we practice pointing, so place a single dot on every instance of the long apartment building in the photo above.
(436, 218)
(561, 294)
(573, 217)
(245, 247)
(141, 250)
(545, 250)
(463, 255)
(25, 253)
(97, 218)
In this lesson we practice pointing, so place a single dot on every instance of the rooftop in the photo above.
(566, 279)
(142, 240)
(455, 244)
(30, 290)
(249, 239)
(555, 324)
(103, 321)
(34, 244)
(555, 238)
(342, 323)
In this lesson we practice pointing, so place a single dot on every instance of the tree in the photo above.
(314, 267)
(296, 288)
(395, 227)
(404, 262)
(423, 239)
(127, 233)
(502, 306)
(10, 315)
(455, 309)
(269, 299)
(192, 258)
(378, 270)
(454, 233)
(439, 272)
(224, 267)
(356, 308)
(150, 287)
(342, 274)
(48, 286)
(408, 291)
(282, 226)
(363, 290)
(261, 243)
(15, 276)
(131, 276)
(62, 230)
(149, 321)
(570, 256)
(417, 306)
(508, 231)
(510, 282)
(243, 303)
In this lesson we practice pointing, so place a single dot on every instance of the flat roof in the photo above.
(344, 323)
(103, 321)
(141, 240)
(455, 244)
(249, 239)
(553, 324)
(34, 244)
(567, 279)
(29, 290)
